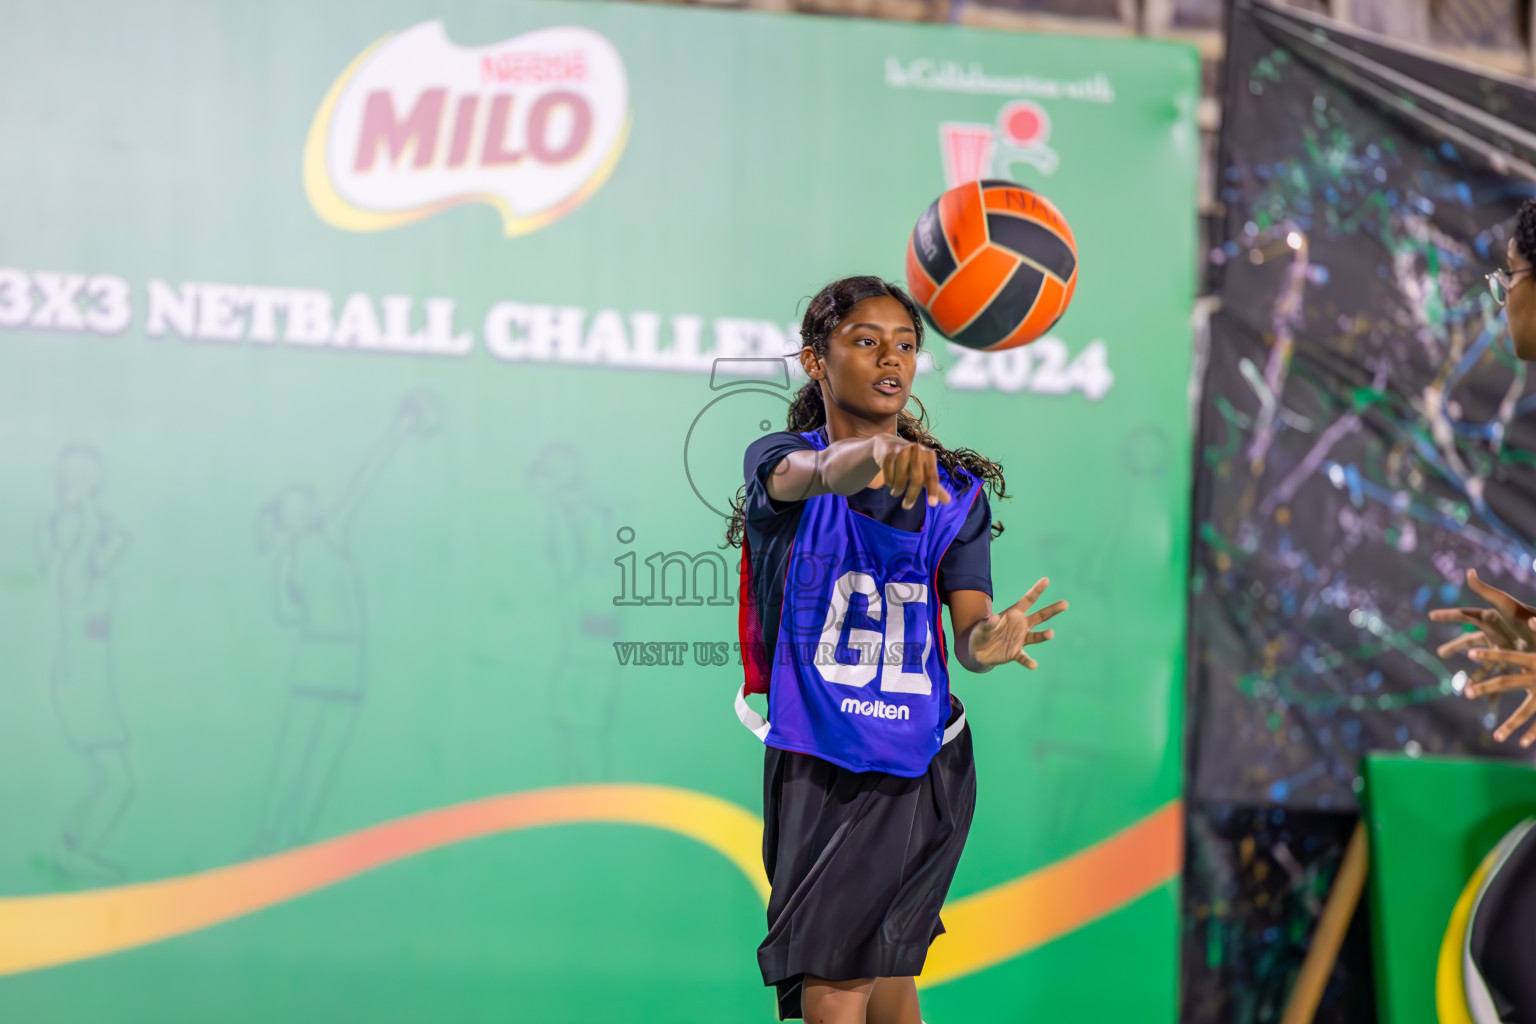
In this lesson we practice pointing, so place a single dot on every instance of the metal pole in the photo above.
(1329, 936)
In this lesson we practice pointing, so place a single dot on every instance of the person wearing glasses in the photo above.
(1512, 287)
(1503, 635)
(1499, 985)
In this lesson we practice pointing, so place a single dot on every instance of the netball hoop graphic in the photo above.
(967, 152)
(972, 152)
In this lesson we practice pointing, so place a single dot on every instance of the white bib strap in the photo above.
(757, 725)
(955, 726)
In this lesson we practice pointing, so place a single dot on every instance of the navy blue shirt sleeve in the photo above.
(762, 456)
(967, 565)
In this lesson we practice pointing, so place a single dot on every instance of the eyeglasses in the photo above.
(1501, 281)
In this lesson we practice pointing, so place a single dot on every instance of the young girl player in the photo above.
(855, 524)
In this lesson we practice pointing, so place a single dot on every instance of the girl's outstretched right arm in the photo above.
(848, 466)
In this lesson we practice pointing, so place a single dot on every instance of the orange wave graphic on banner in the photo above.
(1013, 918)
(984, 929)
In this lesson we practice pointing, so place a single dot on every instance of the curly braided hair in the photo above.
(809, 411)
(1525, 230)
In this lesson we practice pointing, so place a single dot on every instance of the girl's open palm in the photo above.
(1003, 636)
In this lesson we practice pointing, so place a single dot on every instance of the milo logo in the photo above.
(531, 126)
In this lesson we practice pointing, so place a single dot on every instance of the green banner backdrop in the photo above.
(367, 638)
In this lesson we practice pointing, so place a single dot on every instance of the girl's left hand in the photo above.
(1003, 636)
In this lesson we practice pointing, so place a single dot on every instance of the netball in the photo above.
(993, 265)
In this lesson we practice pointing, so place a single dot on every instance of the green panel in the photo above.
(1432, 821)
(255, 594)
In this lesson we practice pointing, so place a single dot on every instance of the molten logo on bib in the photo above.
(875, 709)
(533, 126)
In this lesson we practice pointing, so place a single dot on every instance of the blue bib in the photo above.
(859, 675)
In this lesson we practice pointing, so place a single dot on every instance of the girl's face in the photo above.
(871, 359)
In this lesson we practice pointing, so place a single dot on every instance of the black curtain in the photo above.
(1366, 435)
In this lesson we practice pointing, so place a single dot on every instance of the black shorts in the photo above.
(860, 864)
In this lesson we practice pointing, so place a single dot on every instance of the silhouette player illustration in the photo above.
(318, 594)
(81, 545)
(578, 531)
